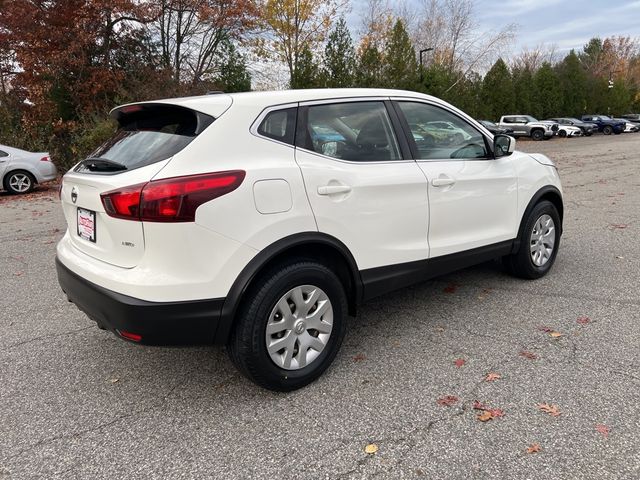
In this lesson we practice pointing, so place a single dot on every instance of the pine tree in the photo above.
(497, 92)
(524, 91)
(369, 67)
(233, 75)
(339, 58)
(307, 72)
(548, 98)
(400, 66)
(573, 85)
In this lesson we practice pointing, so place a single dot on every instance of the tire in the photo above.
(274, 292)
(522, 264)
(19, 181)
(607, 130)
(537, 135)
(562, 133)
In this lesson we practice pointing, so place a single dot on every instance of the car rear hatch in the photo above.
(148, 136)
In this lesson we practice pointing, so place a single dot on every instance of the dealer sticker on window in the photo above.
(87, 224)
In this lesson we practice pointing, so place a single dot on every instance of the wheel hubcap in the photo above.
(299, 327)
(543, 239)
(20, 182)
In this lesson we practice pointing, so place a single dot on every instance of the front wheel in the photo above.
(539, 242)
(291, 326)
(537, 135)
(607, 130)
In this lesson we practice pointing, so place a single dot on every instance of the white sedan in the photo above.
(21, 171)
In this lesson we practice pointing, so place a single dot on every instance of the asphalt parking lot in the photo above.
(76, 402)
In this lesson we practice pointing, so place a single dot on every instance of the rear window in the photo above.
(147, 134)
(279, 125)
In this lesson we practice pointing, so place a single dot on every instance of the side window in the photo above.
(459, 140)
(3, 154)
(358, 131)
(279, 125)
(508, 119)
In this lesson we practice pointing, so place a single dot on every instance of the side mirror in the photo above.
(503, 145)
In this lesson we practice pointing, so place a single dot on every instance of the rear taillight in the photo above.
(170, 199)
(46, 158)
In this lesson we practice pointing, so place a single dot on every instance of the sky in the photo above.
(566, 24)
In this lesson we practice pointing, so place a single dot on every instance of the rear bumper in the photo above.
(158, 323)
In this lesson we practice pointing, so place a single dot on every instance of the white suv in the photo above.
(262, 220)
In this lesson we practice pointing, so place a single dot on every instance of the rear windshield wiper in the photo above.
(97, 164)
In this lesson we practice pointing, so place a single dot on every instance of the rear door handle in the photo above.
(333, 189)
(442, 181)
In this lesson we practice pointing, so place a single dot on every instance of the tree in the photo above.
(369, 71)
(233, 75)
(293, 26)
(548, 98)
(339, 57)
(497, 92)
(400, 66)
(523, 89)
(307, 73)
(192, 33)
(573, 85)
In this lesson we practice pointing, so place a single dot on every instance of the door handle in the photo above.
(442, 181)
(333, 189)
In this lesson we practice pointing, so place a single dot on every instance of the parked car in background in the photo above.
(629, 126)
(586, 127)
(568, 131)
(527, 126)
(20, 170)
(495, 129)
(632, 117)
(606, 125)
(271, 243)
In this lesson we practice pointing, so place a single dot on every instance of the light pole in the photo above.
(421, 68)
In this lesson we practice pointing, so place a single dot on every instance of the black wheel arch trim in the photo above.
(548, 190)
(270, 253)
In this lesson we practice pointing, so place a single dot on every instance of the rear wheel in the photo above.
(607, 130)
(539, 242)
(19, 182)
(291, 326)
(562, 133)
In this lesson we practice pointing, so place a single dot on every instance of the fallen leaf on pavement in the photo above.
(618, 226)
(534, 448)
(552, 410)
(459, 362)
(491, 376)
(496, 412)
(529, 355)
(114, 380)
(545, 329)
(555, 334)
(448, 400)
(371, 449)
(603, 429)
(583, 320)
(478, 406)
(17, 274)
(485, 416)
(359, 357)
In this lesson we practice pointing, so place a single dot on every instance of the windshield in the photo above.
(147, 134)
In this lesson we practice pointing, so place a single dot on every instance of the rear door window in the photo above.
(146, 134)
(358, 131)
